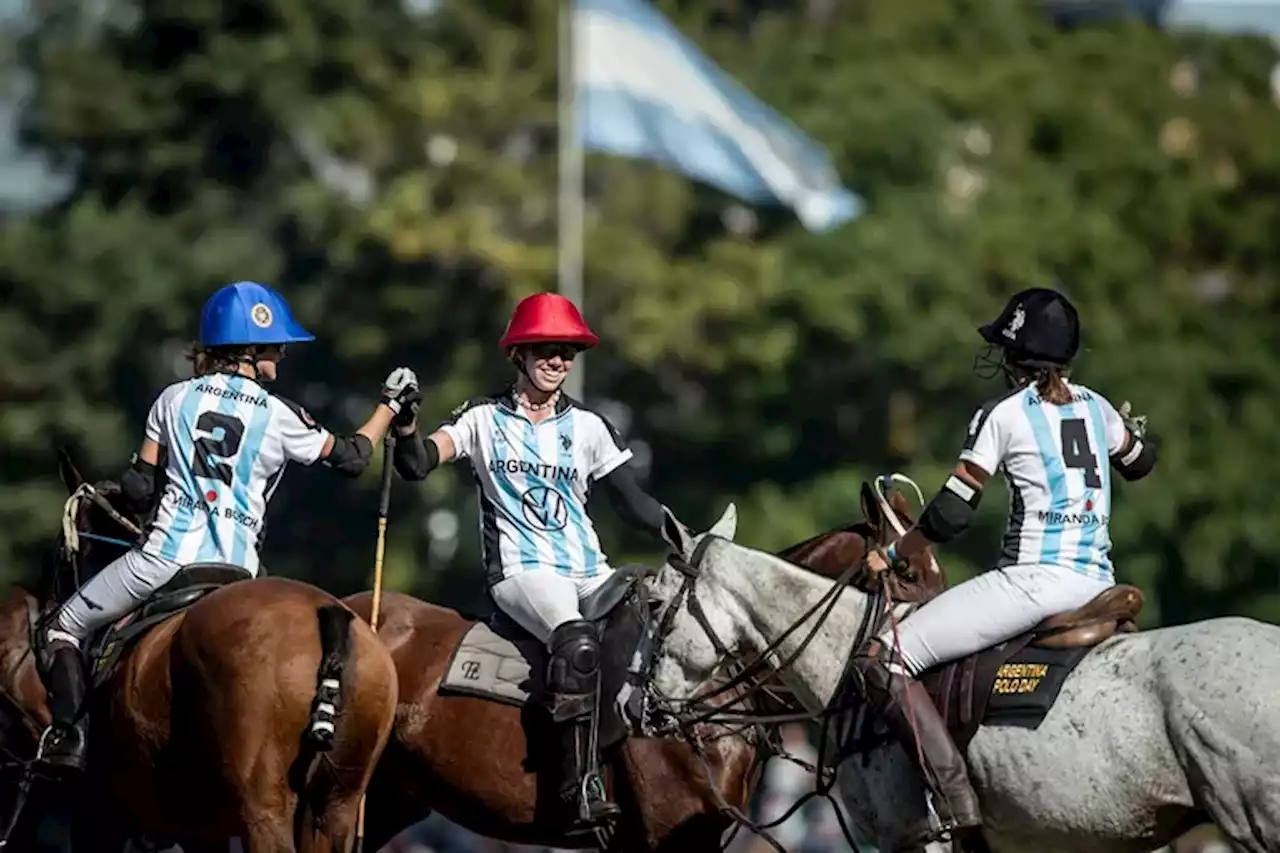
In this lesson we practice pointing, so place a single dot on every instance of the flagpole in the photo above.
(570, 233)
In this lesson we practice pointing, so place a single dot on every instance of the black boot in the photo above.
(573, 680)
(67, 683)
(944, 767)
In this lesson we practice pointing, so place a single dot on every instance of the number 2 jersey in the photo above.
(227, 441)
(1056, 461)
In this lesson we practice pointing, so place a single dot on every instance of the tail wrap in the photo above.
(335, 647)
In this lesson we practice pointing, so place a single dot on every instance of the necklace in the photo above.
(523, 400)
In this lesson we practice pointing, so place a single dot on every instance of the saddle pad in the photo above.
(1011, 684)
(488, 665)
(1025, 687)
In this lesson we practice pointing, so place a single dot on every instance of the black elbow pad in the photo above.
(951, 512)
(138, 483)
(1138, 461)
(350, 455)
(416, 457)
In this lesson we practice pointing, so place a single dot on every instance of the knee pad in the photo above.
(575, 657)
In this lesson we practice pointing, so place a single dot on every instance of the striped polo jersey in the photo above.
(1056, 460)
(532, 482)
(227, 441)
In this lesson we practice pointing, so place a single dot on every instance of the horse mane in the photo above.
(856, 528)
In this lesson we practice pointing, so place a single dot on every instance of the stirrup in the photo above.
(594, 798)
(939, 830)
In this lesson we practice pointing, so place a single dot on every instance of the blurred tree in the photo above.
(393, 171)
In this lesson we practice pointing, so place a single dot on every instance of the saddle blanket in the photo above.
(501, 665)
(1012, 684)
(497, 660)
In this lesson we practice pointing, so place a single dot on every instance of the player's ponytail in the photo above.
(1052, 387)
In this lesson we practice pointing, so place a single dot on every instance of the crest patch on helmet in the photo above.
(1015, 323)
(261, 315)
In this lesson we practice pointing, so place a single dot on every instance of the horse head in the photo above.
(886, 516)
(98, 525)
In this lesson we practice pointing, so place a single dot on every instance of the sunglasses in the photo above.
(567, 352)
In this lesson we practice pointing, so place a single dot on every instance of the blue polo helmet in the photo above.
(247, 313)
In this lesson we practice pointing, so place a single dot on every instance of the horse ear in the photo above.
(727, 526)
(68, 472)
(871, 507)
(901, 506)
(676, 534)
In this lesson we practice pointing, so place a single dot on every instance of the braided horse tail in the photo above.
(307, 777)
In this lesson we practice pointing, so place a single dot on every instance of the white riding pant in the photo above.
(118, 589)
(543, 599)
(987, 609)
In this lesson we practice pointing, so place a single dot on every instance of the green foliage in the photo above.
(777, 369)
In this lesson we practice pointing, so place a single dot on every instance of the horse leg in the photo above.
(269, 835)
(335, 831)
(700, 834)
(205, 845)
(384, 819)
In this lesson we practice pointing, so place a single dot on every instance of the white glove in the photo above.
(399, 385)
(1136, 424)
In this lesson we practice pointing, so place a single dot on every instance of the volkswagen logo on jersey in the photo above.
(544, 508)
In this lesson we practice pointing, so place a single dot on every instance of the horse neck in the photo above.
(15, 634)
(823, 547)
(775, 595)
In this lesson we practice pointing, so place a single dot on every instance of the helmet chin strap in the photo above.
(251, 359)
(518, 360)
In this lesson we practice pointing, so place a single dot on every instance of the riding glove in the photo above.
(400, 391)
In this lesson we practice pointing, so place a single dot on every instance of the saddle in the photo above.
(189, 585)
(1016, 682)
(499, 661)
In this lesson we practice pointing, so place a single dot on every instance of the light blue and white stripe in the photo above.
(645, 91)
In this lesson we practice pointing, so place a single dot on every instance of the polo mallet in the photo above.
(384, 504)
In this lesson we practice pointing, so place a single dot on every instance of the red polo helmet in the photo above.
(547, 318)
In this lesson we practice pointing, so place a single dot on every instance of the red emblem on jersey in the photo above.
(1088, 505)
(211, 496)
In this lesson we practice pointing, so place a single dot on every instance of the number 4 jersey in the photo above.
(1056, 462)
(227, 442)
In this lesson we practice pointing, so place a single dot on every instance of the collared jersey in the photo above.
(532, 482)
(227, 441)
(1056, 462)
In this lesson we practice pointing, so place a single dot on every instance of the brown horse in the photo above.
(830, 554)
(206, 730)
(475, 761)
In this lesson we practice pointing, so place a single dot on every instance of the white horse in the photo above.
(1151, 731)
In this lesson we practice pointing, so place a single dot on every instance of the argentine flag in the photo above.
(1249, 17)
(642, 90)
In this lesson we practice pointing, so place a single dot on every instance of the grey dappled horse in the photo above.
(1152, 731)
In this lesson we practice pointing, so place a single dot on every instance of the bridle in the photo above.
(72, 515)
(662, 715)
(695, 709)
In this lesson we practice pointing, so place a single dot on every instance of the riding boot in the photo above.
(573, 680)
(900, 700)
(67, 683)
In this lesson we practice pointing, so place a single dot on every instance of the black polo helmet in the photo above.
(1037, 328)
